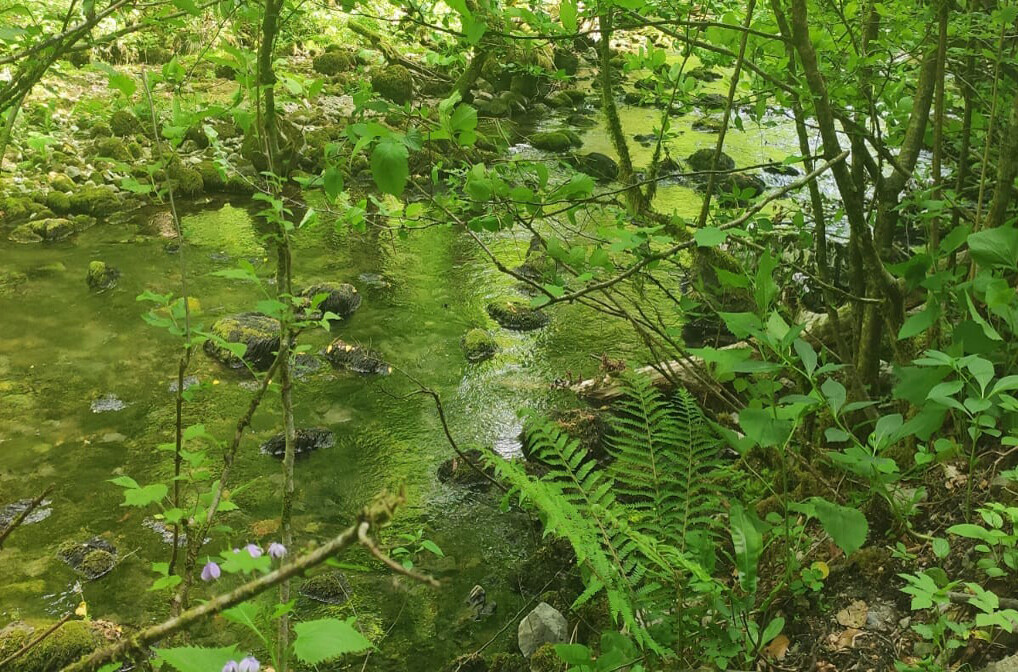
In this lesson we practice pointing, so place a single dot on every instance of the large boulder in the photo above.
(393, 83)
(258, 332)
(123, 123)
(544, 625)
(599, 166)
(516, 315)
(65, 645)
(700, 160)
(332, 63)
(341, 298)
(346, 356)
(49, 229)
(95, 201)
(306, 440)
(555, 141)
(479, 345)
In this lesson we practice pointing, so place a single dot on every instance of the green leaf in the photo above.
(709, 236)
(389, 166)
(326, 639)
(125, 482)
(431, 546)
(846, 526)
(748, 544)
(760, 425)
(145, 496)
(997, 247)
(807, 354)
(918, 323)
(766, 288)
(970, 531)
(332, 182)
(567, 15)
(198, 659)
(188, 6)
(835, 393)
(574, 654)
(941, 547)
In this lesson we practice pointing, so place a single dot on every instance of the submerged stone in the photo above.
(107, 404)
(327, 588)
(101, 276)
(479, 345)
(306, 440)
(458, 471)
(343, 355)
(11, 511)
(341, 298)
(516, 315)
(257, 332)
(92, 559)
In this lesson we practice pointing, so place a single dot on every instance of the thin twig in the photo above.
(20, 518)
(362, 534)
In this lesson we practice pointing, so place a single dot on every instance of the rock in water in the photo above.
(92, 559)
(107, 403)
(700, 160)
(517, 315)
(305, 440)
(343, 355)
(15, 509)
(543, 625)
(479, 345)
(258, 332)
(101, 276)
(328, 588)
(599, 166)
(340, 298)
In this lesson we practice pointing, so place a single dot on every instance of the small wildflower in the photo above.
(249, 664)
(231, 666)
(276, 550)
(210, 572)
(253, 550)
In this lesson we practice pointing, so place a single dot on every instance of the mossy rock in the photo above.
(100, 129)
(123, 123)
(258, 332)
(567, 61)
(13, 208)
(508, 662)
(58, 202)
(341, 298)
(479, 345)
(517, 315)
(712, 101)
(393, 83)
(525, 84)
(186, 180)
(496, 108)
(92, 559)
(332, 63)
(211, 178)
(224, 71)
(79, 58)
(559, 99)
(700, 160)
(62, 183)
(345, 356)
(156, 55)
(306, 440)
(101, 276)
(555, 141)
(112, 148)
(708, 125)
(95, 201)
(328, 588)
(66, 644)
(545, 659)
(468, 662)
(40, 230)
(600, 166)
(9, 282)
(704, 74)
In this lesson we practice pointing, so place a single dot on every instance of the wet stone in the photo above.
(92, 559)
(517, 315)
(107, 404)
(327, 588)
(306, 440)
(11, 511)
(189, 382)
(345, 356)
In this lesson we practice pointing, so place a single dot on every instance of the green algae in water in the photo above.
(229, 230)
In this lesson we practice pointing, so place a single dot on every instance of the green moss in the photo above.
(259, 333)
(546, 660)
(123, 123)
(524, 84)
(58, 202)
(50, 228)
(62, 183)
(556, 141)
(101, 129)
(479, 345)
(332, 63)
(101, 277)
(393, 83)
(9, 280)
(186, 180)
(328, 588)
(508, 662)
(113, 148)
(229, 230)
(701, 159)
(210, 176)
(468, 662)
(517, 315)
(95, 201)
(156, 55)
(97, 563)
(496, 108)
(66, 644)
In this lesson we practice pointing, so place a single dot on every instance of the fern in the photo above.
(666, 460)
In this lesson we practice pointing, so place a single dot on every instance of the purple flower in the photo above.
(276, 550)
(249, 664)
(210, 572)
(231, 666)
(255, 552)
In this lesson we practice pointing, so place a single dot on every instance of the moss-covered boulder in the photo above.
(393, 83)
(101, 276)
(95, 201)
(495, 108)
(704, 74)
(700, 160)
(712, 101)
(599, 166)
(468, 662)
(479, 345)
(544, 659)
(328, 588)
(111, 148)
(306, 440)
(58, 202)
(332, 63)
(340, 298)
(156, 55)
(61, 183)
(43, 230)
(123, 123)
(555, 141)
(525, 84)
(9, 282)
(567, 61)
(66, 644)
(516, 315)
(100, 129)
(559, 99)
(211, 178)
(346, 356)
(186, 180)
(257, 332)
(708, 125)
(508, 662)
(91, 559)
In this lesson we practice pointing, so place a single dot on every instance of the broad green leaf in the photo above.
(198, 659)
(997, 247)
(918, 323)
(326, 639)
(807, 354)
(125, 482)
(389, 166)
(761, 426)
(709, 236)
(835, 393)
(747, 543)
(846, 526)
(567, 15)
(146, 495)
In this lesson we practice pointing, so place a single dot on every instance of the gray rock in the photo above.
(1009, 664)
(11, 511)
(542, 625)
(108, 403)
